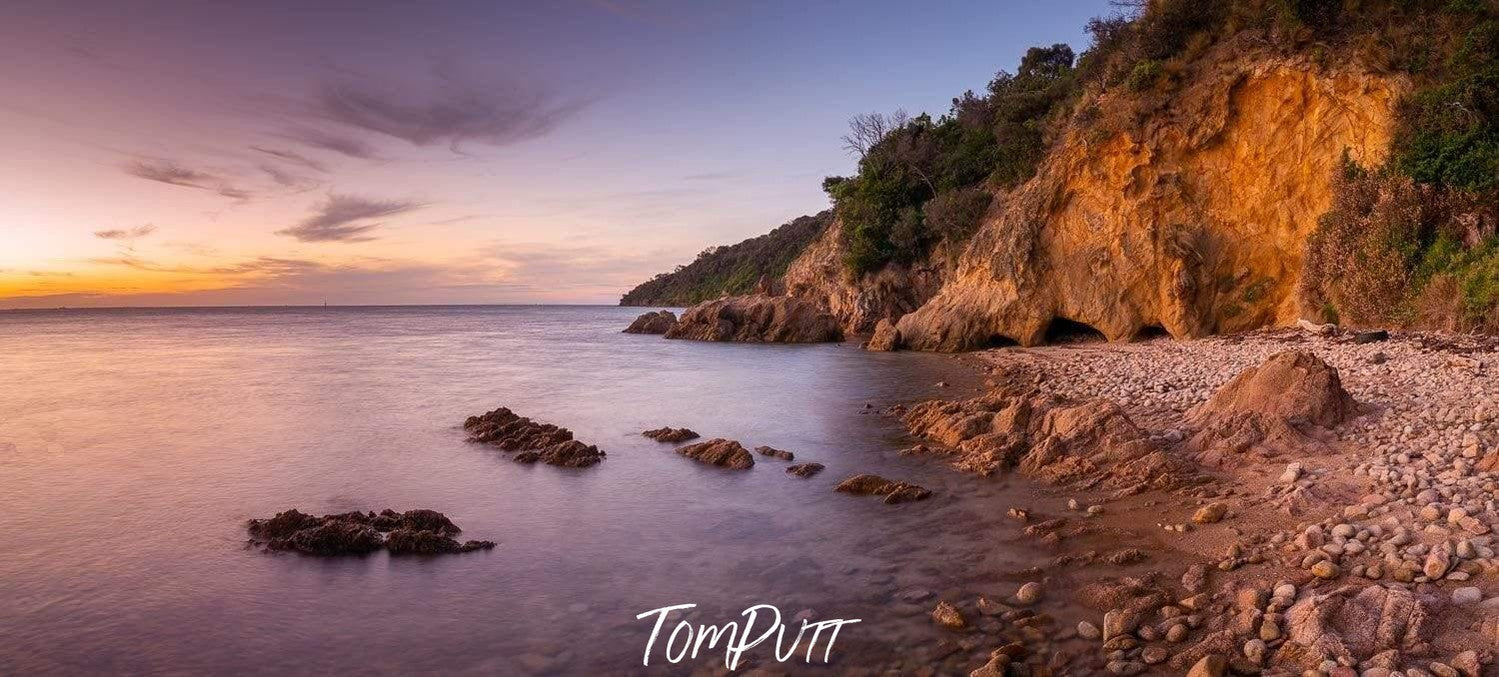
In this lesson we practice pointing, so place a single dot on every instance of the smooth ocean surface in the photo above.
(134, 445)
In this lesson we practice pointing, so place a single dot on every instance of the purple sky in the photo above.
(214, 152)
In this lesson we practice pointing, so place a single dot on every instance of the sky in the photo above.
(212, 152)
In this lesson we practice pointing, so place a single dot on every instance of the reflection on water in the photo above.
(134, 445)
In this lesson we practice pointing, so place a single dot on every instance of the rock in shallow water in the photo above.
(720, 452)
(775, 453)
(670, 434)
(874, 485)
(804, 469)
(757, 318)
(424, 532)
(658, 322)
(537, 442)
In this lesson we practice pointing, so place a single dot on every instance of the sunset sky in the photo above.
(209, 152)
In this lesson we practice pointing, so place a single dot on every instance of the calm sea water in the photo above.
(134, 445)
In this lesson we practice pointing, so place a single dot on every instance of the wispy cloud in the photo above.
(336, 143)
(292, 157)
(172, 173)
(287, 179)
(125, 233)
(456, 113)
(343, 218)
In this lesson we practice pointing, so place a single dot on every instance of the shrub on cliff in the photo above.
(904, 163)
(1395, 252)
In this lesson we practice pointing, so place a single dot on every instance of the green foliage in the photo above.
(1474, 269)
(999, 137)
(1144, 75)
(1450, 129)
(955, 214)
(732, 269)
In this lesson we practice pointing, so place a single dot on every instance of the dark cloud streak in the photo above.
(336, 219)
(125, 233)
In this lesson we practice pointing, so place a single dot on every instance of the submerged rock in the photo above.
(538, 442)
(874, 485)
(670, 434)
(804, 469)
(775, 453)
(757, 318)
(719, 452)
(658, 322)
(425, 532)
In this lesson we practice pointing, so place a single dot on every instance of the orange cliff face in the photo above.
(1192, 221)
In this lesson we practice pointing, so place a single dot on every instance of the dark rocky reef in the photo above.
(757, 318)
(537, 442)
(720, 452)
(658, 322)
(670, 434)
(415, 532)
(891, 490)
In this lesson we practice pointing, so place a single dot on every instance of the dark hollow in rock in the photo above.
(804, 469)
(720, 452)
(670, 434)
(874, 485)
(425, 532)
(658, 322)
(775, 453)
(538, 442)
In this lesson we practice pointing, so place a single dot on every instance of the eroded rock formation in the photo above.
(536, 442)
(658, 322)
(1191, 219)
(414, 532)
(1082, 444)
(757, 318)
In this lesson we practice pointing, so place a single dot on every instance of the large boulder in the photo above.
(657, 322)
(1086, 444)
(536, 441)
(670, 434)
(1267, 411)
(757, 318)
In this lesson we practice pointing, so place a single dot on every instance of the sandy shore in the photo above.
(1365, 549)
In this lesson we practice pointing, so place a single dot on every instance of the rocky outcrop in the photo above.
(1264, 410)
(891, 490)
(757, 318)
(1189, 216)
(536, 442)
(1081, 444)
(886, 337)
(720, 452)
(858, 304)
(658, 322)
(670, 434)
(414, 532)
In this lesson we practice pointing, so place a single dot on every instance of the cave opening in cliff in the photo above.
(1153, 331)
(1063, 330)
(1000, 341)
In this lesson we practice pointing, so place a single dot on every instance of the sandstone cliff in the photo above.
(1190, 218)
